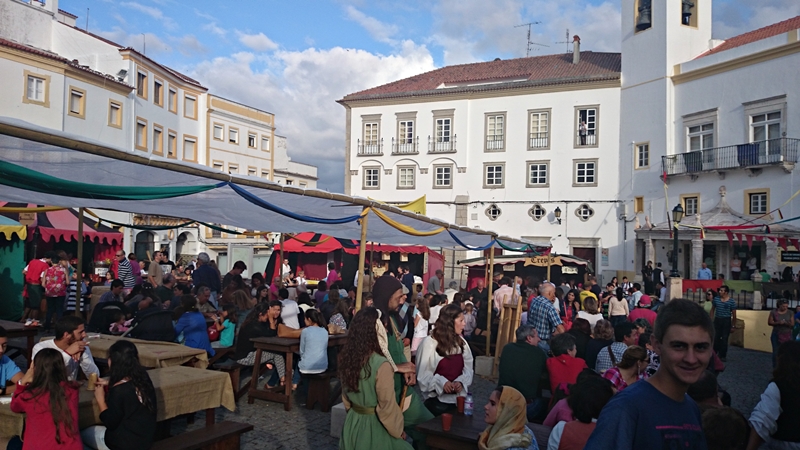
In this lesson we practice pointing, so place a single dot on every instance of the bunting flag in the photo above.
(795, 243)
(730, 237)
(749, 238)
(739, 237)
(415, 206)
(782, 243)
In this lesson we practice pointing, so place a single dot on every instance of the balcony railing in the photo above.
(585, 140)
(443, 146)
(539, 140)
(366, 148)
(494, 143)
(405, 147)
(763, 153)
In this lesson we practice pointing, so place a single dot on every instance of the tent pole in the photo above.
(362, 256)
(490, 272)
(549, 258)
(372, 261)
(78, 296)
(280, 270)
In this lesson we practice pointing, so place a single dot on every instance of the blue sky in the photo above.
(295, 58)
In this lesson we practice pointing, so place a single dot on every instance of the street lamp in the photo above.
(677, 215)
(557, 213)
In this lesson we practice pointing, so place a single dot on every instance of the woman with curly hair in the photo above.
(374, 419)
(444, 362)
(387, 293)
(128, 411)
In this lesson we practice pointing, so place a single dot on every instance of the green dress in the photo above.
(416, 413)
(364, 427)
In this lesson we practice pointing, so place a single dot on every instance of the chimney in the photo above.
(576, 49)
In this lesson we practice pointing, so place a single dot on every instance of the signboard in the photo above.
(569, 270)
(509, 268)
(789, 256)
(604, 257)
(27, 219)
(541, 261)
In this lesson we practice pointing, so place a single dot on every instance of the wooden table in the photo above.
(288, 347)
(179, 390)
(463, 434)
(152, 354)
(16, 329)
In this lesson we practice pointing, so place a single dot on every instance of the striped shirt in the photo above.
(126, 274)
(723, 309)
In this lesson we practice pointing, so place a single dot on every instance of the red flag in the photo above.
(730, 237)
(739, 237)
(749, 238)
(782, 243)
(664, 176)
(795, 243)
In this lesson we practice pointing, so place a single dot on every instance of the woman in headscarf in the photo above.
(386, 298)
(506, 418)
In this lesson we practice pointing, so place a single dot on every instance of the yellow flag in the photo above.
(415, 206)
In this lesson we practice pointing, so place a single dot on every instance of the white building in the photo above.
(498, 145)
(719, 120)
(289, 172)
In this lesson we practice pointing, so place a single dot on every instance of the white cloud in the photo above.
(147, 43)
(301, 88)
(736, 17)
(380, 31)
(215, 29)
(155, 13)
(188, 45)
(258, 42)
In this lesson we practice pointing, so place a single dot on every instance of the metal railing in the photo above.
(754, 154)
(746, 300)
(585, 140)
(405, 147)
(448, 146)
(539, 140)
(495, 143)
(370, 147)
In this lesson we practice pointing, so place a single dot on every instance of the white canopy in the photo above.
(76, 159)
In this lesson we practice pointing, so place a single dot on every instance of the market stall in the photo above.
(12, 261)
(523, 265)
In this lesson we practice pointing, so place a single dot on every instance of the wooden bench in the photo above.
(319, 390)
(221, 436)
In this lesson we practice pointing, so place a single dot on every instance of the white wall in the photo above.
(26, 22)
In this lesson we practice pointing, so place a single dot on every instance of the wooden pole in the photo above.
(362, 256)
(490, 302)
(549, 258)
(280, 267)
(78, 296)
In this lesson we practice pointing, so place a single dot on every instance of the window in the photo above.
(495, 132)
(585, 173)
(189, 106)
(189, 148)
(219, 132)
(289, 182)
(158, 140)
(372, 178)
(114, 114)
(265, 174)
(443, 130)
(689, 13)
(757, 201)
(233, 135)
(536, 212)
(701, 137)
(405, 132)
(218, 165)
(539, 126)
(172, 144)
(537, 174)
(233, 168)
(141, 84)
(442, 177)
(584, 212)
(264, 143)
(586, 126)
(36, 89)
(173, 100)
(766, 131)
(371, 133)
(251, 171)
(251, 140)
(405, 177)
(493, 175)
(493, 211)
(642, 155)
(158, 92)
(77, 102)
(638, 205)
(642, 12)
(691, 204)
(303, 184)
(443, 140)
(141, 134)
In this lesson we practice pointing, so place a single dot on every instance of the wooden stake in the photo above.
(489, 317)
(362, 256)
(78, 296)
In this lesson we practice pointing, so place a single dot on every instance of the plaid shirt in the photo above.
(543, 316)
(616, 379)
(604, 359)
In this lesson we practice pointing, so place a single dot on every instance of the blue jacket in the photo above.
(193, 326)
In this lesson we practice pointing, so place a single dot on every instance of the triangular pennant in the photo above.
(761, 238)
(730, 237)
(749, 238)
(795, 243)
(782, 243)
(739, 237)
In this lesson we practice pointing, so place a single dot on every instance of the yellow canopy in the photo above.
(415, 206)
(8, 227)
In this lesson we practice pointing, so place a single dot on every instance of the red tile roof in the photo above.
(56, 57)
(756, 35)
(67, 13)
(174, 72)
(501, 74)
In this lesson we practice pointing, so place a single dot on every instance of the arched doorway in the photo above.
(144, 245)
(186, 247)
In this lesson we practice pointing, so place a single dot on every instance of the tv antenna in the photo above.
(565, 42)
(529, 43)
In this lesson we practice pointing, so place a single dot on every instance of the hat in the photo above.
(469, 302)
(644, 300)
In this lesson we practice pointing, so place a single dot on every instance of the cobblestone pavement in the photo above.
(746, 376)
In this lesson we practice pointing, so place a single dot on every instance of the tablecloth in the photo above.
(152, 354)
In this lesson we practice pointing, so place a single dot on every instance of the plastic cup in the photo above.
(460, 404)
(92, 382)
(447, 421)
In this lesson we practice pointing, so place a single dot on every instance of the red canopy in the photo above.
(320, 243)
(63, 225)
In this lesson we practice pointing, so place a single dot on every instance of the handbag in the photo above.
(213, 333)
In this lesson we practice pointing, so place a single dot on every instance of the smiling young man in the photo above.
(657, 413)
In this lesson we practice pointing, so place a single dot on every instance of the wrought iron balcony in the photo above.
(585, 140)
(446, 145)
(370, 148)
(539, 140)
(405, 147)
(780, 151)
(495, 143)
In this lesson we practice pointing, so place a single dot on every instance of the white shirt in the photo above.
(450, 293)
(432, 384)
(592, 318)
(434, 314)
(764, 418)
(289, 314)
(86, 363)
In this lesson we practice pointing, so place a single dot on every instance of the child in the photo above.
(120, 325)
(470, 322)
(48, 398)
(225, 323)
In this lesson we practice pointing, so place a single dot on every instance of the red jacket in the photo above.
(645, 313)
(40, 433)
(564, 369)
